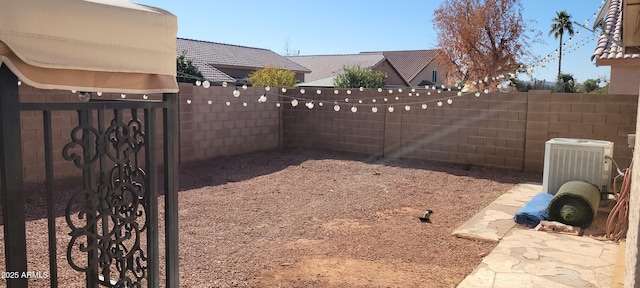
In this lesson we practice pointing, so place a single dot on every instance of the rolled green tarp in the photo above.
(576, 203)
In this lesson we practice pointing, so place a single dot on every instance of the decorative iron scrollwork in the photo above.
(108, 227)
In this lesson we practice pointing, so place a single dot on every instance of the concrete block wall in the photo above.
(488, 130)
(591, 116)
(216, 129)
(324, 128)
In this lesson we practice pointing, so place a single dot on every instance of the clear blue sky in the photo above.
(342, 27)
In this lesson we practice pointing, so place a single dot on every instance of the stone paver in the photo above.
(495, 220)
(527, 258)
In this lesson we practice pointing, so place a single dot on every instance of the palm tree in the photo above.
(561, 23)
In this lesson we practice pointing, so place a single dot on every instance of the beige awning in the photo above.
(89, 45)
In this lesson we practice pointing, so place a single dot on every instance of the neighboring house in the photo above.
(618, 44)
(403, 68)
(417, 67)
(232, 63)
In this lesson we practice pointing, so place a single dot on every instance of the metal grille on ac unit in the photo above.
(568, 159)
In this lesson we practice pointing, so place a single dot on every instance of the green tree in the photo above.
(272, 76)
(589, 85)
(561, 23)
(356, 77)
(601, 90)
(186, 71)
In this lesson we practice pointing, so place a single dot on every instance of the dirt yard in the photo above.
(312, 219)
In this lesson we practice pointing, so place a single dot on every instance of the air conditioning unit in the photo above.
(568, 159)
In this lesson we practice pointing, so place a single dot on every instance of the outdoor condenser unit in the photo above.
(568, 159)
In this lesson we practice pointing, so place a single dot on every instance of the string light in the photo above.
(236, 92)
(189, 101)
(336, 91)
(145, 96)
(244, 87)
(391, 109)
(336, 107)
(449, 101)
(99, 94)
(439, 103)
(284, 90)
(348, 92)
(228, 103)
(407, 107)
(121, 95)
(267, 88)
(302, 91)
(209, 102)
(310, 105)
(294, 102)
(374, 109)
(354, 109)
(318, 91)
(424, 106)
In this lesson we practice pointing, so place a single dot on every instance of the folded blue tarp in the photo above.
(534, 211)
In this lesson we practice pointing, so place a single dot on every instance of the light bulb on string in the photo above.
(228, 103)
(310, 105)
(207, 84)
(189, 101)
(318, 91)
(73, 91)
(84, 96)
(245, 104)
(336, 91)
(439, 103)
(346, 100)
(428, 93)
(336, 107)
(145, 96)
(391, 109)
(284, 89)
(268, 88)
(321, 104)
(263, 98)
(399, 90)
(224, 84)
(198, 82)
(244, 87)
(439, 91)
(99, 94)
(348, 92)
(374, 109)
(278, 104)
(417, 94)
(361, 89)
(407, 107)
(374, 100)
(302, 91)
(123, 95)
(410, 94)
(385, 99)
(486, 91)
(294, 102)
(477, 94)
(449, 101)
(379, 89)
(354, 109)
(209, 102)
(236, 92)
(413, 90)
(360, 101)
(390, 91)
(459, 94)
(424, 106)
(397, 98)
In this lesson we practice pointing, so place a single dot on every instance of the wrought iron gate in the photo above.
(117, 225)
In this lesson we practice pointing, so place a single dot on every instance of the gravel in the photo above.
(309, 219)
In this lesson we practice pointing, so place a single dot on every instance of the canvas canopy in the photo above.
(89, 45)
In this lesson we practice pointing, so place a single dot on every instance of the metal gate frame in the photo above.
(103, 196)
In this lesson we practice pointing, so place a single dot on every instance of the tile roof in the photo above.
(323, 66)
(208, 55)
(610, 41)
(409, 63)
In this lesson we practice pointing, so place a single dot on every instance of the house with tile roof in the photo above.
(410, 68)
(618, 44)
(232, 63)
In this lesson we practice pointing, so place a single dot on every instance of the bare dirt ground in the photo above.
(310, 219)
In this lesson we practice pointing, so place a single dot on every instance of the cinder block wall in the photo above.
(488, 130)
(590, 116)
(216, 129)
(506, 130)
